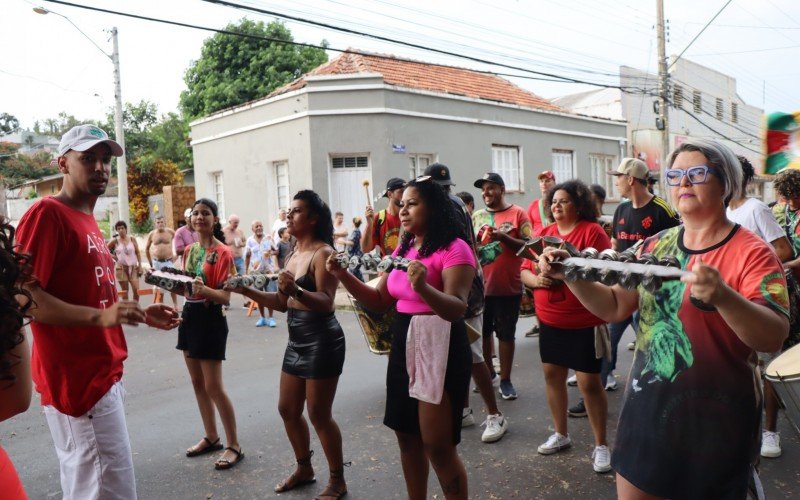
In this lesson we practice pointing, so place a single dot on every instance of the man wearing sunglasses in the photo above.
(643, 216)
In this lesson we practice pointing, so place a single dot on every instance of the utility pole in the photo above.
(663, 90)
(122, 167)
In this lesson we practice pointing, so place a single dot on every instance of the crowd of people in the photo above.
(691, 420)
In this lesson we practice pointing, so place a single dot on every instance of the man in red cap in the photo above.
(538, 214)
(383, 230)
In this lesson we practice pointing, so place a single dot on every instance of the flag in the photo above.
(782, 142)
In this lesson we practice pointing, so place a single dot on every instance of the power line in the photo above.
(700, 33)
(543, 76)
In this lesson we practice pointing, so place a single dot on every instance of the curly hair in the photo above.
(323, 229)
(217, 228)
(443, 219)
(14, 271)
(580, 195)
(787, 183)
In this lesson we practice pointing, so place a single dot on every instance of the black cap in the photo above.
(392, 184)
(439, 173)
(489, 177)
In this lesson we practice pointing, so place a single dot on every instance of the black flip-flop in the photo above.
(223, 464)
(215, 446)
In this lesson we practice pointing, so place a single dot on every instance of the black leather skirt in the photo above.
(316, 345)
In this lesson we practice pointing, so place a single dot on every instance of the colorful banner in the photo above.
(781, 144)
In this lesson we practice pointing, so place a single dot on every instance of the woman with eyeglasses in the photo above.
(315, 353)
(431, 298)
(566, 335)
(690, 423)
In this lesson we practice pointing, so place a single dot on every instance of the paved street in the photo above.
(163, 421)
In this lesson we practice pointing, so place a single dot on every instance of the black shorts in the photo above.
(203, 331)
(500, 315)
(570, 348)
(402, 411)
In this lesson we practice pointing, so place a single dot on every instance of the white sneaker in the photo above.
(496, 363)
(467, 419)
(770, 444)
(554, 444)
(611, 382)
(572, 381)
(496, 427)
(601, 458)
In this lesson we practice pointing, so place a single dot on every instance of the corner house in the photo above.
(366, 116)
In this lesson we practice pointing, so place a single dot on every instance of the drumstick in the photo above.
(365, 183)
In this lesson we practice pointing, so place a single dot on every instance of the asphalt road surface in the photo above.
(163, 421)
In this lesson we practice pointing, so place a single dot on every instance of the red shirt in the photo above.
(9, 480)
(386, 232)
(73, 367)
(501, 273)
(535, 216)
(557, 306)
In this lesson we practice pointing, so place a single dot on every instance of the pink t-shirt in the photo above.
(456, 253)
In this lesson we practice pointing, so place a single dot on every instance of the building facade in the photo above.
(370, 117)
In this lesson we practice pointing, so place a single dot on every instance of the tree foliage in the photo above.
(8, 124)
(16, 168)
(58, 126)
(233, 70)
(147, 180)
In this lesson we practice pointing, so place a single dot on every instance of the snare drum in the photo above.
(526, 308)
(784, 373)
(375, 326)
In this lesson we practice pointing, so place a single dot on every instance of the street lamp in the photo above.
(122, 167)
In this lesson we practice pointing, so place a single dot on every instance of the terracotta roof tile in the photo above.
(423, 76)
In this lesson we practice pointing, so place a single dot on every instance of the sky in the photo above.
(48, 66)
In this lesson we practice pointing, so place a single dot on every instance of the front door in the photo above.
(347, 192)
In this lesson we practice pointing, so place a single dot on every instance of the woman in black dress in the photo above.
(315, 353)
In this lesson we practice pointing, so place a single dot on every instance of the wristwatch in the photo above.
(298, 294)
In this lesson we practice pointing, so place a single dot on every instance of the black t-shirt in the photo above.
(475, 300)
(633, 224)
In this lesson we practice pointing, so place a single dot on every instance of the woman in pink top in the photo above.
(437, 282)
(15, 359)
(125, 251)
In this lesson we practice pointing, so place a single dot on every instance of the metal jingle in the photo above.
(170, 284)
(552, 242)
(588, 273)
(259, 280)
(571, 272)
(670, 261)
(573, 251)
(162, 282)
(353, 263)
(536, 245)
(629, 280)
(608, 277)
(402, 264)
(247, 281)
(648, 258)
(609, 254)
(386, 264)
(589, 253)
(651, 282)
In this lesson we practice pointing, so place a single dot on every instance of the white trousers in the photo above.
(94, 450)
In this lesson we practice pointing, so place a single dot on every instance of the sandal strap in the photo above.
(210, 443)
(339, 473)
(307, 460)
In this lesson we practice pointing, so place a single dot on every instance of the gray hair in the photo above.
(721, 158)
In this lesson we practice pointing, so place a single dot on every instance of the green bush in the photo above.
(143, 227)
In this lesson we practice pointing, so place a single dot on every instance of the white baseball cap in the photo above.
(84, 137)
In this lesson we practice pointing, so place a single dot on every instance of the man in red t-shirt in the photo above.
(502, 229)
(538, 213)
(383, 229)
(79, 346)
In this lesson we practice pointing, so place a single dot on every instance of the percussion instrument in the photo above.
(784, 373)
(374, 326)
(256, 280)
(170, 279)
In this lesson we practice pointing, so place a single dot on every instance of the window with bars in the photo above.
(562, 165)
(720, 109)
(677, 96)
(282, 183)
(697, 101)
(349, 162)
(219, 193)
(734, 112)
(505, 161)
(600, 165)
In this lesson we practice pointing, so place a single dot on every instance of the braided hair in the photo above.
(443, 219)
(14, 271)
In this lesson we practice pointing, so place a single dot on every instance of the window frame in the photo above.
(601, 176)
(218, 188)
(515, 154)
